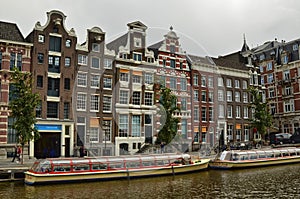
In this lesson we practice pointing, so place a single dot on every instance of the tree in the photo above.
(169, 104)
(22, 107)
(261, 117)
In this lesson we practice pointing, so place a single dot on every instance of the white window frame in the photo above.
(94, 102)
(107, 83)
(94, 135)
(95, 81)
(148, 99)
(82, 59)
(122, 98)
(92, 62)
(81, 79)
(107, 104)
(81, 102)
(108, 63)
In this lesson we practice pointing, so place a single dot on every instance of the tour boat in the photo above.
(255, 158)
(58, 170)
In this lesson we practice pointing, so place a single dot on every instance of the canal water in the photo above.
(267, 182)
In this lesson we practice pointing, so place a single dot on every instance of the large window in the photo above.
(67, 84)
(203, 114)
(53, 87)
(137, 56)
(220, 82)
(136, 126)
(203, 81)
(123, 99)
(221, 111)
(183, 84)
(173, 84)
(95, 62)
(66, 110)
(124, 77)
(53, 64)
(107, 82)
(237, 96)
(148, 99)
(196, 95)
(203, 96)
(16, 61)
(39, 82)
(289, 106)
(94, 102)
(136, 79)
(245, 97)
(229, 96)
(136, 98)
(220, 95)
(148, 78)
(107, 104)
(123, 125)
(210, 114)
(195, 79)
(52, 109)
(82, 79)
(196, 113)
(81, 101)
(246, 112)
(172, 63)
(108, 63)
(95, 81)
(55, 44)
(82, 59)
(238, 111)
(229, 111)
(184, 128)
(106, 127)
(94, 134)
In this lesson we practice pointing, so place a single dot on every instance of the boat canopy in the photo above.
(256, 154)
(44, 165)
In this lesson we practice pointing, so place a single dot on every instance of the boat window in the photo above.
(235, 157)
(99, 166)
(261, 155)
(293, 154)
(132, 164)
(116, 165)
(160, 162)
(253, 156)
(277, 155)
(81, 167)
(244, 157)
(269, 155)
(148, 163)
(61, 168)
(284, 154)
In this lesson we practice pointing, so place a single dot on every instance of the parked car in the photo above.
(280, 138)
(295, 138)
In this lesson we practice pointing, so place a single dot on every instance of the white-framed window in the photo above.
(287, 90)
(230, 131)
(269, 66)
(95, 62)
(286, 74)
(220, 95)
(172, 63)
(183, 84)
(67, 61)
(262, 57)
(137, 56)
(295, 47)
(136, 79)
(196, 95)
(246, 133)
(270, 78)
(220, 82)
(124, 77)
(271, 93)
(262, 81)
(210, 114)
(228, 83)
(229, 111)
(184, 128)
(41, 38)
(196, 113)
(261, 69)
(237, 83)
(123, 125)
(289, 106)
(203, 114)
(81, 102)
(203, 81)
(173, 83)
(238, 112)
(123, 99)
(245, 84)
(229, 96)
(136, 126)
(107, 82)
(106, 127)
(106, 103)
(246, 112)
(245, 97)
(95, 102)
(136, 98)
(94, 134)
(148, 99)
(221, 111)
(203, 96)
(95, 47)
(210, 82)
(68, 43)
(148, 78)
(108, 63)
(196, 79)
(137, 42)
(82, 79)
(285, 59)
(210, 96)
(82, 59)
(95, 81)
(237, 96)
(183, 103)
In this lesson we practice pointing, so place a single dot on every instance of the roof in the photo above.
(199, 60)
(115, 44)
(10, 31)
(156, 45)
(228, 63)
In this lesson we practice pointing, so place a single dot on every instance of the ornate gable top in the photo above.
(137, 24)
(171, 34)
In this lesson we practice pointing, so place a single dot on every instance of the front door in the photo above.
(48, 146)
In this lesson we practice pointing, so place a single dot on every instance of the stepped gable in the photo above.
(10, 31)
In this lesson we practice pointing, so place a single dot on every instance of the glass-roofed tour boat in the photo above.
(59, 170)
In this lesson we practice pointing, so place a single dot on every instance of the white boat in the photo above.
(256, 158)
(59, 170)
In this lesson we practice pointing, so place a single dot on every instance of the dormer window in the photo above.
(295, 47)
(172, 48)
(41, 38)
(262, 57)
(137, 56)
(95, 47)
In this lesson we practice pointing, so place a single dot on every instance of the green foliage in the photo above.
(169, 104)
(23, 106)
(261, 117)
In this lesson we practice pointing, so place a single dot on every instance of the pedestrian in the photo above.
(19, 153)
(15, 153)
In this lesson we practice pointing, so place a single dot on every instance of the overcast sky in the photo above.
(205, 27)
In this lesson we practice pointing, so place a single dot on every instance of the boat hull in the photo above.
(45, 178)
(218, 164)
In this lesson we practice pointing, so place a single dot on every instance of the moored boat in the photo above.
(59, 170)
(255, 158)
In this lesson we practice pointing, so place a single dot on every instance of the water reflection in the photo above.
(268, 182)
